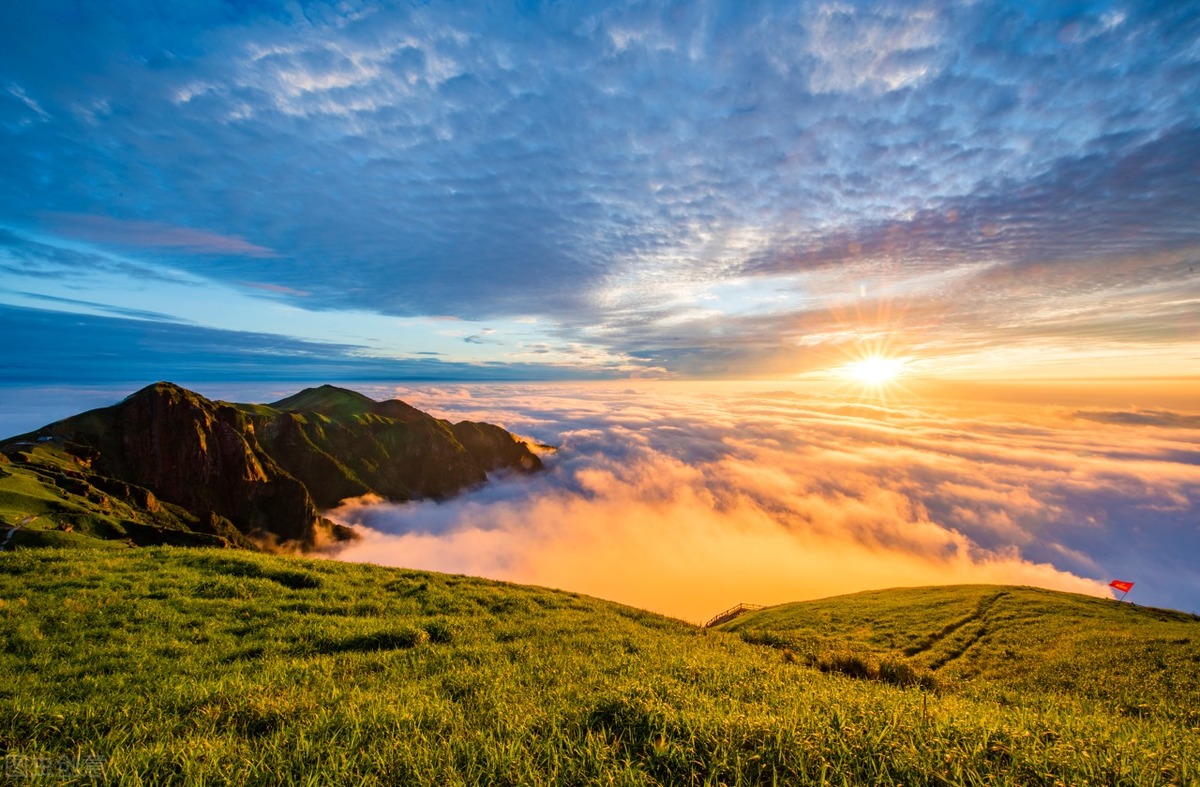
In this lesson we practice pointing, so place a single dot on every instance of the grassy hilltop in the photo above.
(1008, 644)
(204, 665)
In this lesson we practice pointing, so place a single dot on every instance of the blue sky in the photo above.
(545, 190)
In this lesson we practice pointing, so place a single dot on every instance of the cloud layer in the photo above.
(47, 347)
(690, 188)
(689, 502)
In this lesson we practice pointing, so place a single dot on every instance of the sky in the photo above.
(551, 191)
(569, 218)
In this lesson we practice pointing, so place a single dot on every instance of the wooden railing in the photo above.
(730, 614)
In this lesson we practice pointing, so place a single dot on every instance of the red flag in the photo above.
(1124, 587)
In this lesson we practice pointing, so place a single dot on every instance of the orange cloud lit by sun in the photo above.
(704, 496)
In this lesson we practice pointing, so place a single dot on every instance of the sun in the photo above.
(875, 371)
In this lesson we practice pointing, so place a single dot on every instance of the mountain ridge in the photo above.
(243, 474)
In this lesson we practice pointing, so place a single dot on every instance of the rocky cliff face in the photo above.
(265, 471)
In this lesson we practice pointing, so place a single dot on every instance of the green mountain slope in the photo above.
(1000, 642)
(198, 666)
(167, 465)
(328, 400)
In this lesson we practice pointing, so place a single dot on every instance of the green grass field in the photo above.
(148, 666)
(1008, 644)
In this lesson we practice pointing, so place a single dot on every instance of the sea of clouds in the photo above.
(687, 499)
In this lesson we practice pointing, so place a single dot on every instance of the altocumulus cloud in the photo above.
(601, 165)
(687, 503)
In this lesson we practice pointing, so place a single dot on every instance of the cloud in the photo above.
(278, 289)
(44, 346)
(481, 338)
(1066, 213)
(688, 502)
(136, 314)
(154, 235)
(594, 166)
(1163, 418)
(23, 256)
(874, 50)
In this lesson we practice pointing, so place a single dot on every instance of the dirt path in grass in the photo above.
(14, 529)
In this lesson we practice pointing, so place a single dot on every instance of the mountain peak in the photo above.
(160, 388)
(327, 400)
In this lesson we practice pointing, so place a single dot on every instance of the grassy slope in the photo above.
(327, 399)
(30, 499)
(1004, 643)
(206, 665)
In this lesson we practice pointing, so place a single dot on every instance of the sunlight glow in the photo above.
(875, 370)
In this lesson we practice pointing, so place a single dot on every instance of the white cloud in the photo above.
(872, 51)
